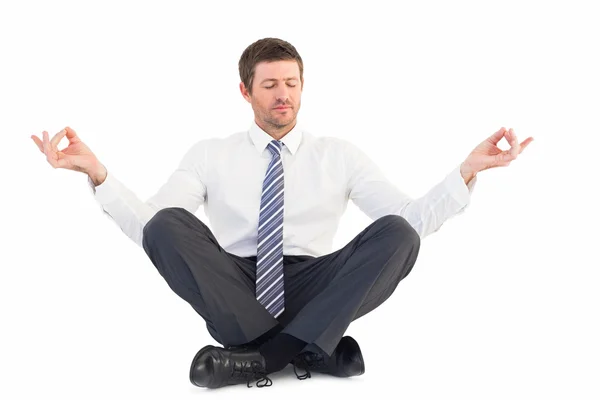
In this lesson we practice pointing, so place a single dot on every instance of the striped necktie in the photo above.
(269, 258)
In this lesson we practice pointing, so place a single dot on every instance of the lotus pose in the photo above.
(263, 275)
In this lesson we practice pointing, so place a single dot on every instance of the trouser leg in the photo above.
(325, 294)
(217, 284)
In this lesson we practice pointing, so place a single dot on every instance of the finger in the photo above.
(512, 140)
(48, 151)
(72, 136)
(38, 142)
(56, 139)
(495, 138)
(46, 143)
(525, 143)
(514, 143)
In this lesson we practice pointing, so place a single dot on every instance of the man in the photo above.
(263, 277)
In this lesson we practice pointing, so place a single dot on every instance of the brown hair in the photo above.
(267, 49)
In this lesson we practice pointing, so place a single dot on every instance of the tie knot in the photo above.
(275, 147)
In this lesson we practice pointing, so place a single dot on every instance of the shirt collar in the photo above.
(261, 139)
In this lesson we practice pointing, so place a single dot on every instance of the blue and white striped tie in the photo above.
(269, 256)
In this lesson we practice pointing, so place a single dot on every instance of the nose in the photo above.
(282, 94)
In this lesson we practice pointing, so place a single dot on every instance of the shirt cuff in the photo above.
(457, 188)
(107, 191)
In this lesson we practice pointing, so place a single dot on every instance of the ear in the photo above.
(245, 92)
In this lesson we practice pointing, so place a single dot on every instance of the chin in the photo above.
(283, 119)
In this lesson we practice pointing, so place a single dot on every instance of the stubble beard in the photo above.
(275, 122)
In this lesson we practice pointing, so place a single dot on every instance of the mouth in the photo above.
(281, 108)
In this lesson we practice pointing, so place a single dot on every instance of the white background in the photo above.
(503, 301)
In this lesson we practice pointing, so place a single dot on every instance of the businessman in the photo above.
(263, 276)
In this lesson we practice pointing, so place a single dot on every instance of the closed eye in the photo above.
(271, 87)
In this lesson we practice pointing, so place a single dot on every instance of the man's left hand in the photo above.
(488, 155)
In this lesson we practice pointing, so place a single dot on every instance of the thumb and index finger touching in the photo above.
(495, 138)
(67, 131)
(510, 137)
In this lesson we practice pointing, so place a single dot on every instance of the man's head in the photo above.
(271, 71)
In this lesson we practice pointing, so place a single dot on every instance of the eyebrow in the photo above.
(273, 79)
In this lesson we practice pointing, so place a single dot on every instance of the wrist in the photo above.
(98, 175)
(467, 173)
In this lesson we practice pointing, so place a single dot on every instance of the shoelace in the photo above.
(252, 371)
(304, 367)
(315, 360)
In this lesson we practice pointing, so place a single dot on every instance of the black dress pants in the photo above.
(323, 295)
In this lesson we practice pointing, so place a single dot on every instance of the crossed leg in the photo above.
(323, 295)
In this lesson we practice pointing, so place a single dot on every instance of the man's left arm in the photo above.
(376, 196)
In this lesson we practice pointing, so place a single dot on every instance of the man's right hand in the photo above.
(76, 156)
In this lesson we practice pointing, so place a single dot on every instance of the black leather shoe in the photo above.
(215, 367)
(345, 361)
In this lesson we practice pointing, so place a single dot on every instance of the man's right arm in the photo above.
(184, 188)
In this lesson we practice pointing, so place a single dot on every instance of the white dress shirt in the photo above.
(320, 175)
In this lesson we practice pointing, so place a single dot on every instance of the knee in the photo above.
(160, 223)
(406, 239)
(401, 230)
